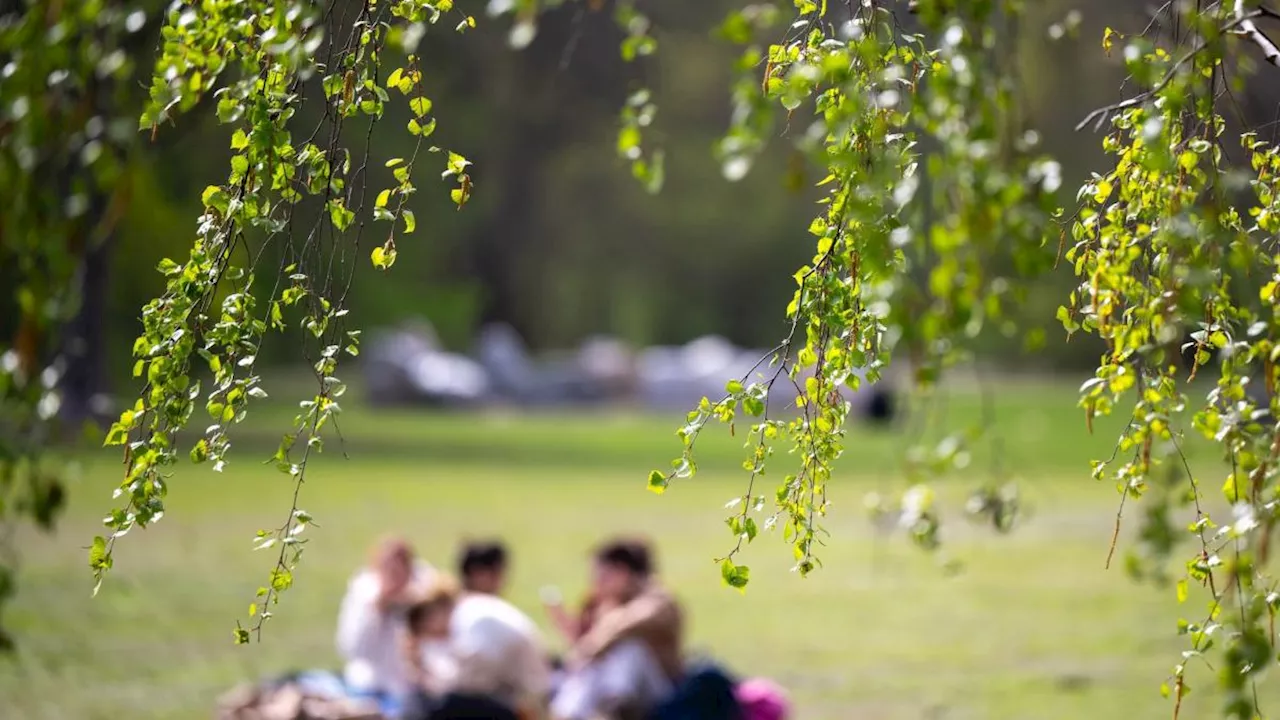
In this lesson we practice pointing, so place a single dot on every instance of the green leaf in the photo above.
(384, 256)
(459, 196)
(215, 198)
(281, 580)
(410, 221)
(239, 140)
(98, 558)
(383, 198)
(735, 576)
(456, 164)
(1182, 590)
(117, 435)
(200, 452)
(1102, 191)
(340, 215)
(422, 129)
(657, 482)
(1233, 489)
(420, 106)
(733, 387)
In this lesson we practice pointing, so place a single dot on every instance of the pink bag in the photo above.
(762, 699)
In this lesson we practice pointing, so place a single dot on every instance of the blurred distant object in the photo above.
(518, 378)
(408, 366)
(676, 378)
(609, 363)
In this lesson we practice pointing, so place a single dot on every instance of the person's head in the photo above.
(428, 618)
(621, 569)
(392, 560)
(483, 567)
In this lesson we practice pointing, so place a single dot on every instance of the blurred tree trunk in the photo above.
(556, 90)
(84, 347)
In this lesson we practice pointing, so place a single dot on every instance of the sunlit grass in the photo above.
(1032, 626)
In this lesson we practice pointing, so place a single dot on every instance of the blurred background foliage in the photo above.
(559, 240)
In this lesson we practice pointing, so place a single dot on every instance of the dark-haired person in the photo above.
(631, 656)
(483, 567)
(500, 651)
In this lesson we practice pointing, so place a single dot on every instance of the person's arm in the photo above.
(568, 625)
(646, 614)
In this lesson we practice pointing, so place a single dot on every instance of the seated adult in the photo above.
(483, 567)
(372, 618)
(631, 656)
(499, 650)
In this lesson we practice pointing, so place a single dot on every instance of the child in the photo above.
(441, 691)
(427, 652)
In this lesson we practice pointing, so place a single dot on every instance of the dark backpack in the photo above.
(705, 693)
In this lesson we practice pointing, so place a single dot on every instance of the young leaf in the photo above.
(735, 576)
(455, 165)
(384, 256)
(420, 106)
(340, 215)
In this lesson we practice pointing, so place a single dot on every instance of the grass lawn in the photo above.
(1033, 626)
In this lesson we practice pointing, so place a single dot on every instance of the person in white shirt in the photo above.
(473, 648)
(499, 653)
(371, 622)
(499, 650)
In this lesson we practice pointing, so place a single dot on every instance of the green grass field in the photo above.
(1033, 627)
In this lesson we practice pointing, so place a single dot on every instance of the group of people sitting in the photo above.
(425, 646)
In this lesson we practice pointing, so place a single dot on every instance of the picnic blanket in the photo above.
(310, 696)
